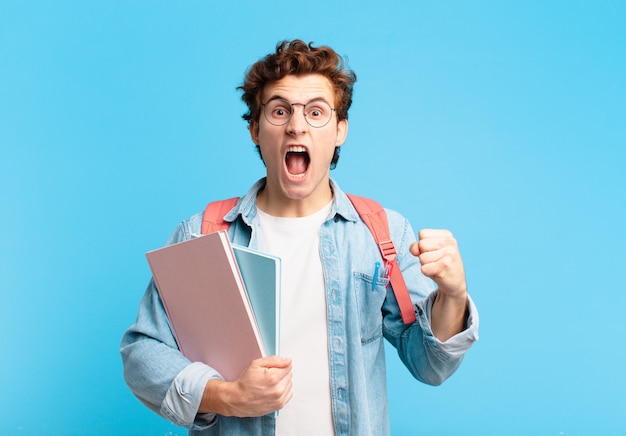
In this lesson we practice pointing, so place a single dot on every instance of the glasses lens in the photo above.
(317, 113)
(278, 111)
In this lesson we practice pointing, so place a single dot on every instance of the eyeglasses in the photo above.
(278, 111)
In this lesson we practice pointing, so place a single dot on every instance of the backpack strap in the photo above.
(213, 218)
(375, 218)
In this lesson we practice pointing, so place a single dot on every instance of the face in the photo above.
(297, 156)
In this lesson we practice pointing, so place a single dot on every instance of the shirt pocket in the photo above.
(369, 299)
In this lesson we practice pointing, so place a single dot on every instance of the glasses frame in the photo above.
(291, 105)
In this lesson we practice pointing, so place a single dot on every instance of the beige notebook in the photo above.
(207, 303)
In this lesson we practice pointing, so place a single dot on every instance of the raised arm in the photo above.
(439, 255)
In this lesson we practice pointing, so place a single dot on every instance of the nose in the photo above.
(297, 122)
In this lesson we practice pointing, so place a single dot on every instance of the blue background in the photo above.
(502, 121)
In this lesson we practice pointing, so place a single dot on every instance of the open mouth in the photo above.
(297, 161)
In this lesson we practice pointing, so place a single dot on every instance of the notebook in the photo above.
(206, 302)
(261, 275)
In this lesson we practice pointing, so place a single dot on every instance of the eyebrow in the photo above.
(279, 97)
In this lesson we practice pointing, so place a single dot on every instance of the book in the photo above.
(261, 275)
(207, 304)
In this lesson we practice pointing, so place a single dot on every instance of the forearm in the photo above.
(448, 315)
(213, 398)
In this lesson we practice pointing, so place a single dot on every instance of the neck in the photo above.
(281, 206)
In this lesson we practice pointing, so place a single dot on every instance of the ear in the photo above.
(342, 132)
(253, 128)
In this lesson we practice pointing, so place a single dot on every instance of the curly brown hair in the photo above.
(298, 58)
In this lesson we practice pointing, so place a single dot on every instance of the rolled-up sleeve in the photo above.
(182, 399)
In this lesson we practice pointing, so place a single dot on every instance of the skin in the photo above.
(289, 195)
(265, 386)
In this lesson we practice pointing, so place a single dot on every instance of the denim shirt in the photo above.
(360, 314)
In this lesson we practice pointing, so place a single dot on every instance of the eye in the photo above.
(315, 112)
(280, 110)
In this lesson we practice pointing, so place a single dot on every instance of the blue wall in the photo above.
(503, 121)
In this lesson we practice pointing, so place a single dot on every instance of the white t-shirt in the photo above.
(304, 327)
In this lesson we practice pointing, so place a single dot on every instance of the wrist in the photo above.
(452, 300)
(214, 398)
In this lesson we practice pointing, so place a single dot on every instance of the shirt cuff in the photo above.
(182, 399)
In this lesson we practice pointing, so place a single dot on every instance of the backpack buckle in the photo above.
(388, 250)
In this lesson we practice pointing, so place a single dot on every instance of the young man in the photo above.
(336, 311)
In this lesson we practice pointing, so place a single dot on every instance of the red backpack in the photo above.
(374, 217)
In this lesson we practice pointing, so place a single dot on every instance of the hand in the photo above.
(439, 255)
(262, 388)
(441, 261)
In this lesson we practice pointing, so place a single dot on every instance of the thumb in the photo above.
(274, 362)
(415, 249)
